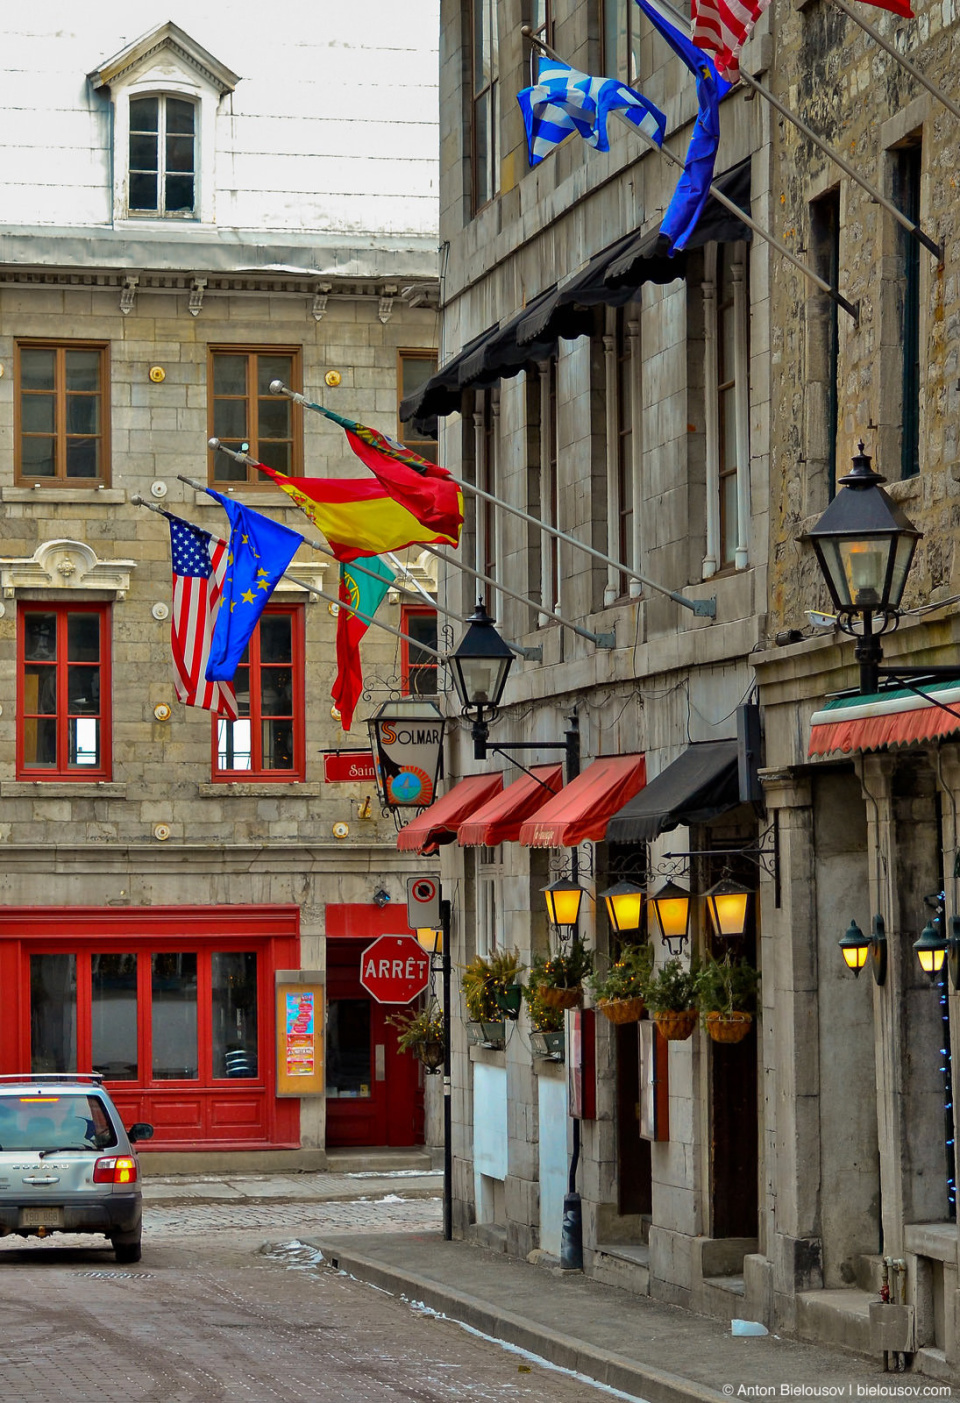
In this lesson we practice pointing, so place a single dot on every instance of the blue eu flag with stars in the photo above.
(260, 551)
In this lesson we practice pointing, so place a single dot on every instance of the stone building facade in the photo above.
(782, 1172)
(176, 234)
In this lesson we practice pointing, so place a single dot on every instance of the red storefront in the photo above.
(174, 1005)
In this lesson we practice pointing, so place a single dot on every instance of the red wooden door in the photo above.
(374, 1092)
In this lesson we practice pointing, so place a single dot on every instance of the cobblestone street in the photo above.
(227, 1304)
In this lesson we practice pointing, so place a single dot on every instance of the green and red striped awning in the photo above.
(882, 719)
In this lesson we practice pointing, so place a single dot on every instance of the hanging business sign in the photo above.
(348, 767)
(406, 739)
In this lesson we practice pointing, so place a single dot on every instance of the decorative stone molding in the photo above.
(128, 295)
(312, 572)
(387, 296)
(196, 296)
(320, 294)
(65, 565)
(424, 571)
(147, 50)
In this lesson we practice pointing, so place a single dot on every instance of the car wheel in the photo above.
(127, 1251)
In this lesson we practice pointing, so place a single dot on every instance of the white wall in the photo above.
(334, 125)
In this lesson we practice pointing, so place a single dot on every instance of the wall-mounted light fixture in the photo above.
(563, 898)
(671, 911)
(727, 903)
(624, 903)
(859, 949)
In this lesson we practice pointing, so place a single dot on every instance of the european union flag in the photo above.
(693, 188)
(260, 551)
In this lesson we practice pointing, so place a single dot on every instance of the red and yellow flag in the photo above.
(366, 518)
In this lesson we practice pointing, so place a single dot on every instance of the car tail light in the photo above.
(115, 1169)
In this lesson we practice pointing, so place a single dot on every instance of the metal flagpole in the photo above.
(704, 608)
(901, 218)
(722, 199)
(312, 589)
(902, 59)
(535, 654)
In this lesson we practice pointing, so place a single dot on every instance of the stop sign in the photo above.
(394, 969)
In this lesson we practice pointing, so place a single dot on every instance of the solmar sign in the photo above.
(406, 738)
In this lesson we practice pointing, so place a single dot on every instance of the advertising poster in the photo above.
(300, 1034)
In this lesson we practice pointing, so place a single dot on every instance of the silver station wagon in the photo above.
(66, 1163)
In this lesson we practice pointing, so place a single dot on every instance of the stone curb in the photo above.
(616, 1370)
(193, 1200)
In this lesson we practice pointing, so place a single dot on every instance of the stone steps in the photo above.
(839, 1318)
(623, 1264)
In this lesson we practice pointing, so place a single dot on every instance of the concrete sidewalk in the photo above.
(647, 1349)
(323, 1187)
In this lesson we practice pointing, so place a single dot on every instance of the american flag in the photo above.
(721, 27)
(199, 565)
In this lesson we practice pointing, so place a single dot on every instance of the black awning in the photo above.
(697, 787)
(644, 251)
(489, 357)
(612, 278)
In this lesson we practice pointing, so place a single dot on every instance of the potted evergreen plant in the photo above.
(506, 970)
(559, 978)
(672, 999)
(421, 1033)
(726, 993)
(479, 985)
(547, 1038)
(620, 994)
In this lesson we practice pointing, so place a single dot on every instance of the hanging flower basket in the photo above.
(561, 998)
(727, 1027)
(622, 1010)
(431, 1055)
(676, 1025)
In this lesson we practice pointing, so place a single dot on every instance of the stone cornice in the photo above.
(166, 37)
(65, 565)
(308, 859)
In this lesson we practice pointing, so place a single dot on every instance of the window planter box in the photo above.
(487, 1034)
(551, 1046)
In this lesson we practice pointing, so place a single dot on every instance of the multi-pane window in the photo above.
(163, 157)
(727, 408)
(908, 170)
(541, 21)
(625, 471)
(419, 677)
(64, 689)
(486, 102)
(824, 350)
(267, 741)
(244, 415)
(489, 899)
(544, 424)
(414, 370)
(61, 429)
(621, 40)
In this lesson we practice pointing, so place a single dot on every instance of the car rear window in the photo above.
(54, 1121)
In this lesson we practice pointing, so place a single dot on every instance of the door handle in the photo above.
(379, 1062)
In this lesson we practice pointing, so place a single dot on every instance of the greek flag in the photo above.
(564, 101)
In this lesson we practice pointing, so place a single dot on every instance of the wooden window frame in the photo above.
(257, 774)
(426, 447)
(60, 478)
(408, 668)
(160, 212)
(909, 181)
(63, 772)
(254, 480)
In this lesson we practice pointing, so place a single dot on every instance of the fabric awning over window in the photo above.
(501, 818)
(699, 785)
(583, 807)
(438, 824)
(884, 718)
(612, 278)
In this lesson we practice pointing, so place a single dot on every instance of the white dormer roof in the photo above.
(165, 41)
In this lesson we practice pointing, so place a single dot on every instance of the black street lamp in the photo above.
(864, 545)
(480, 667)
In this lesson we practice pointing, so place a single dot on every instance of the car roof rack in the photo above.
(34, 1078)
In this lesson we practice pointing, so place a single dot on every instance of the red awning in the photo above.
(583, 808)
(875, 721)
(500, 820)
(439, 824)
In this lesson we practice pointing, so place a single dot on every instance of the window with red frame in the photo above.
(267, 742)
(419, 667)
(63, 673)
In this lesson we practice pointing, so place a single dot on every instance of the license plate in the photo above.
(41, 1217)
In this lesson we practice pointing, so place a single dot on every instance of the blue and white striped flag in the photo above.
(564, 100)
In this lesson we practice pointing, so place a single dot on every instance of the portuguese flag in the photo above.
(359, 594)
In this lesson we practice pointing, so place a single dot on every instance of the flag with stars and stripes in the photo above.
(199, 565)
(722, 27)
(563, 100)
(259, 552)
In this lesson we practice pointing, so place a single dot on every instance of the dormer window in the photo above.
(166, 91)
(163, 164)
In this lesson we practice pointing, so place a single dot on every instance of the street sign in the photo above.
(423, 903)
(349, 767)
(406, 739)
(394, 969)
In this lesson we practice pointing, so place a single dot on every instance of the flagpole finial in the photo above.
(213, 443)
(277, 387)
